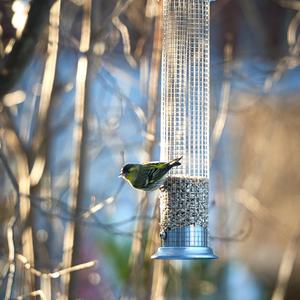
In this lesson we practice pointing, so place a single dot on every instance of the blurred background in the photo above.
(80, 94)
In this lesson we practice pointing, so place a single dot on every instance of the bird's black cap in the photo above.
(125, 170)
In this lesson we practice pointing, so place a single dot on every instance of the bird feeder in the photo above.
(185, 130)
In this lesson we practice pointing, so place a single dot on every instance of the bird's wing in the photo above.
(156, 165)
(155, 171)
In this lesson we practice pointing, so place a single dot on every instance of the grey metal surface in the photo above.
(189, 242)
(184, 253)
(187, 236)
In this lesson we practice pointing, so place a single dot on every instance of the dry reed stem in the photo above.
(46, 93)
(286, 267)
(224, 101)
(23, 184)
(80, 103)
(136, 259)
(33, 294)
(11, 259)
(158, 280)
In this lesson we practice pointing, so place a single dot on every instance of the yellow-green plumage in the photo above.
(148, 176)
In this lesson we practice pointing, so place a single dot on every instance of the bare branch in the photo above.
(54, 274)
(11, 259)
(224, 101)
(253, 205)
(120, 7)
(126, 41)
(102, 204)
(133, 106)
(39, 293)
(292, 29)
(286, 267)
(293, 4)
(291, 60)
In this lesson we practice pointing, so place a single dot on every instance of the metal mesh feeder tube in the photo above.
(184, 219)
(185, 130)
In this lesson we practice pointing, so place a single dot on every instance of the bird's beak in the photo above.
(121, 175)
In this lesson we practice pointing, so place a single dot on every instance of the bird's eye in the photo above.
(127, 169)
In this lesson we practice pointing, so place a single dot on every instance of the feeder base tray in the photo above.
(184, 253)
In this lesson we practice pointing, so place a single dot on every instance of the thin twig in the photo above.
(102, 204)
(117, 90)
(11, 258)
(126, 41)
(291, 60)
(54, 274)
(36, 293)
(70, 215)
(120, 7)
(9, 171)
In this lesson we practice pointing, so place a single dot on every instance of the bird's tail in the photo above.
(175, 162)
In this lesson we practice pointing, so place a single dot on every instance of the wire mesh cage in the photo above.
(185, 130)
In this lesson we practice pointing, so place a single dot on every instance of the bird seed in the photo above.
(184, 202)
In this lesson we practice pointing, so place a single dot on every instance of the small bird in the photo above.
(148, 176)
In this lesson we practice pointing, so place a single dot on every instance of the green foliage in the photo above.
(118, 256)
